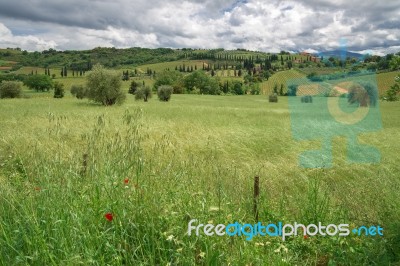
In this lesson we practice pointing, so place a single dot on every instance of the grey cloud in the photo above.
(275, 25)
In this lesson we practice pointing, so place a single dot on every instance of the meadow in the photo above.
(67, 163)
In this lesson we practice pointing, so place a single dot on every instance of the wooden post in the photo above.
(256, 195)
(84, 164)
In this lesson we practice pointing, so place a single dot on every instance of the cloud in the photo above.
(258, 25)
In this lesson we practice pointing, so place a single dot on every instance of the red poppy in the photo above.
(305, 237)
(126, 181)
(109, 216)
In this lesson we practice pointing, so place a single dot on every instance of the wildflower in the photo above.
(305, 237)
(126, 181)
(170, 238)
(37, 188)
(109, 216)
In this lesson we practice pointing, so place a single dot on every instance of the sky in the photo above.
(271, 26)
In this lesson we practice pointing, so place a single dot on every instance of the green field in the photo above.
(155, 166)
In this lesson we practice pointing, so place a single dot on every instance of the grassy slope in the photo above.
(197, 154)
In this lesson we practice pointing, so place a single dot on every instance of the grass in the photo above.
(279, 78)
(192, 158)
(386, 80)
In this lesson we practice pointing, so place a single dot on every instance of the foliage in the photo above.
(104, 86)
(292, 90)
(10, 89)
(164, 93)
(237, 88)
(39, 82)
(205, 84)
(79, 91)
(58, 90)
(167, 77)
(392, 94)
(273, 98)
(364, 93)
(133, 87)
(143, 93)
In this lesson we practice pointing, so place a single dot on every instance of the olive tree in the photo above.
(104, 86)
(10, 89)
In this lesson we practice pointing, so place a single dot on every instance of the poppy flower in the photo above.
(109, 216)
(305, 237)
(126, 181)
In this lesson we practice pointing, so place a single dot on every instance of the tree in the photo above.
(58, 90)
(266, 74)
(392, 94)
(276, 88)
(125, 75)
(39, 82)
(144, 93)
(395, 63)
(364, 93)
(104, 86)
(133, 87)
(170, 78)
(10, 89)
(201, 81)
(164, 93)
(78, 91)
(281, 90)
(292, 90)
(238, 88)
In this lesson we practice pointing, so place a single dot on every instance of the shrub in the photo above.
(292, 90)
(392, 94)
(133, 87)
(164, 93)
(78, 91)
(143, 93)
(273, 98)
(238, 88)
(10, 89)
(307, 99)
(58, 90)
(104, 86)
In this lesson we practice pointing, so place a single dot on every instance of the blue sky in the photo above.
(257, 25)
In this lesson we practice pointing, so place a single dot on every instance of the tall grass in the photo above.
(155, 166)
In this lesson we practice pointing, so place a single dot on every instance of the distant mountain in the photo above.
(339, 54)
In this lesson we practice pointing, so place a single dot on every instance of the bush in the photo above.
(10, 89)
(292, 90)
(273, 98)
(133, 87)
(364, 93)
(392, 94)
(78, 91)
(143, 93)
(104, 86)
(164, 93)
(238, 88)
(307, 99)
(58, 90)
